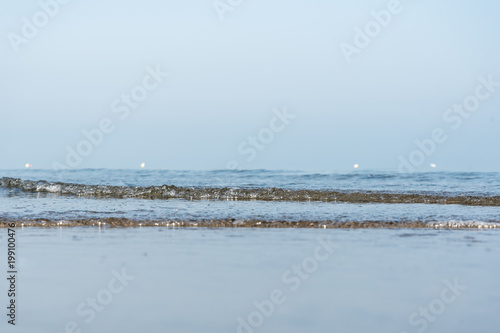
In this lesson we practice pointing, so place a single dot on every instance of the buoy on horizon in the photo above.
(27, 165)
(143, 165)
(356, 166)
(433, 165)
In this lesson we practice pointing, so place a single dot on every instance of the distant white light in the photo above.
(27, 165)
(433, 165)
(356, 166)
(143, 165)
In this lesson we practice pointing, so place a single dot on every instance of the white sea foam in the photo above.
(465, 224)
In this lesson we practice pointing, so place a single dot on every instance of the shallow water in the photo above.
(286, 196)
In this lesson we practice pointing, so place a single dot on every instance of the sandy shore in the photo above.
(238, 280)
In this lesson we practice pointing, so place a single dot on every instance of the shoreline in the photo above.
(326, 277)
(233, 223)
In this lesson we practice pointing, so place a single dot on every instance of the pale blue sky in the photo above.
(226, 77)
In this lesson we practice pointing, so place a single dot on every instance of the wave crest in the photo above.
(247, 194)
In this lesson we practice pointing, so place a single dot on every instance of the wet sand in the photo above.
(220, 280)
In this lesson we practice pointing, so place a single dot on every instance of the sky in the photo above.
(297, 85)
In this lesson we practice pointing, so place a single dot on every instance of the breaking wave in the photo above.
(227, 193)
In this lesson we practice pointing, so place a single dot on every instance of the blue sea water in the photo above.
(51, 204)
(486, 183)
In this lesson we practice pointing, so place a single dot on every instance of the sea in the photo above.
(354, 199)
(248, 251)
